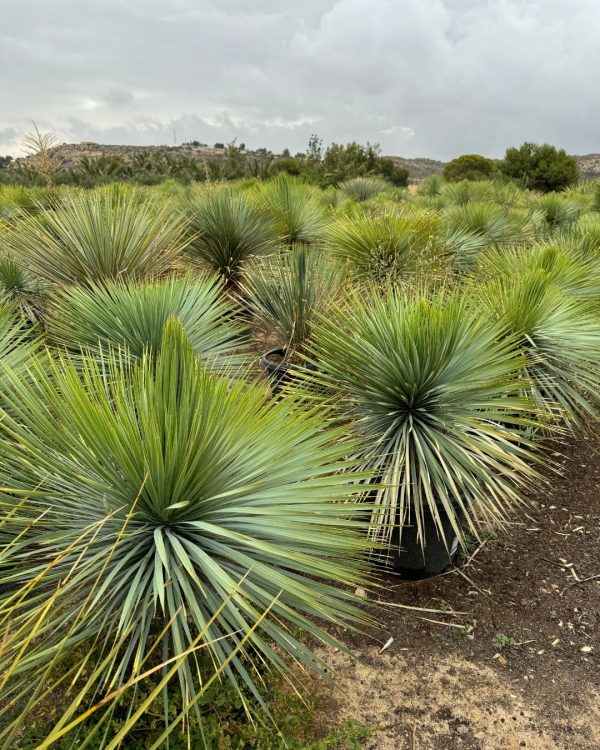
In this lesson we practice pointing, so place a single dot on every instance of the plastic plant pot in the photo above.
(414, 560)
(278, 370)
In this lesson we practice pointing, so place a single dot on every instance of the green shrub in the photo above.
(229, 721)
(540, 167)
(288, 164)
(469, 167)
(392, 172)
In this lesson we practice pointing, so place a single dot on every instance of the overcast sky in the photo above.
(421, 77)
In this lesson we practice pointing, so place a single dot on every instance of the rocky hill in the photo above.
(69, 154)
(589, 166)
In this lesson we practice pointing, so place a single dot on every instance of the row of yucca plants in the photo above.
(483, 371)
(451, 400)
(124, 233)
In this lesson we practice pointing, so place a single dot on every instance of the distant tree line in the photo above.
(538, 167)
(320, 166)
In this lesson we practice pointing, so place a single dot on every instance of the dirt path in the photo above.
(524, 672)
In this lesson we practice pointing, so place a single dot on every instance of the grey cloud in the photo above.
(422, 77)
(118, 97)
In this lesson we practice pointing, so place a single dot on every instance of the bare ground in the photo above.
(520, 669)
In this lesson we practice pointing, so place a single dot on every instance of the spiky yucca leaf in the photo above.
(559, 336)
(99, 236)
(435, 396)
(596, 195)
(464, 248)
(574, 272)
(134, 316)
(286, 291)
(161, 499)
(227, 232)
(17, 201)
(582, 237)
(18, 341)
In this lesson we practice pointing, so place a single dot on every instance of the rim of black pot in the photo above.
(279, 351)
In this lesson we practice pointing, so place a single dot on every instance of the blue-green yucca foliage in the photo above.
(133, 315)
(19, 340)
(159, 501)
(107, 234)
(226, 231)
(435, 395)
(547, 312)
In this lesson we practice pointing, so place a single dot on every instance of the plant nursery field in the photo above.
(299, 466)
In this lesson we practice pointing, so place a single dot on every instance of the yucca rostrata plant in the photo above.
(99, 236)
(133, 315)
(558, 335)
(434, 394)
(387, 245)
(148, 510)
(574, 271)
(294, 207)
(364, 188)
(19, 342)
(20, 287)
(286, 291)
(227, 231)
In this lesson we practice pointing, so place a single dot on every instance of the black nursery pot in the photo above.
(278, 370)
(416, 561)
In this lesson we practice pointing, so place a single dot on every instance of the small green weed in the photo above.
(502, 640)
